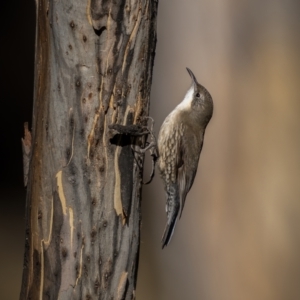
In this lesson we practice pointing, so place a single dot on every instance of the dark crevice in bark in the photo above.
(98, 32)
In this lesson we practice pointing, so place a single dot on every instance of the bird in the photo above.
(179, 144)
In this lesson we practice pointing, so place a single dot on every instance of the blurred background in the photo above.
(238, 237)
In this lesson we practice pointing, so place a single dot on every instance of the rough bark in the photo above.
(94, 64)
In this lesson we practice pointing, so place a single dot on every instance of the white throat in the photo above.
(186, 103)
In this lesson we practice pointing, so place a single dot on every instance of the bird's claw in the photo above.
(152, 147)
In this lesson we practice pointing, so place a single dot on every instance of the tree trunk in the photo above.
(94, 64)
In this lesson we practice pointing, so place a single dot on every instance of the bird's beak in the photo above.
(192, 76)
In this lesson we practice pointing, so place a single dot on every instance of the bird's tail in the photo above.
(172, 208)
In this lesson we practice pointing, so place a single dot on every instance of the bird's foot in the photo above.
(152, 147)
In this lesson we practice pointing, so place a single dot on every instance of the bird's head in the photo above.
(200, 100)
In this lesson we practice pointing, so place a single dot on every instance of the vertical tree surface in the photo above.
(93, 68)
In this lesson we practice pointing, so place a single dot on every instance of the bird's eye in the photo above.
(198, 95)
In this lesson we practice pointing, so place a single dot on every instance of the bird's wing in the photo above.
(188, 169)
(169, 148)
(169, 142)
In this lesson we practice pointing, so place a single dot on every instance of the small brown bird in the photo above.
(180, 142)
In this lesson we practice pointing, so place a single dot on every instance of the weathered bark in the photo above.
(94, 63)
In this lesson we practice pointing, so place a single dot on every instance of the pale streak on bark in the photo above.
(91, 135)
(122, 285)
(64, 205)
(71, 222)
(104, 142)
(138, 108)
(117, 191)
(47, 242)
(61, 192)
(88, 12)
(80, 266)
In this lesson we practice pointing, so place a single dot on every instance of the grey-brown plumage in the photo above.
(180, 142)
